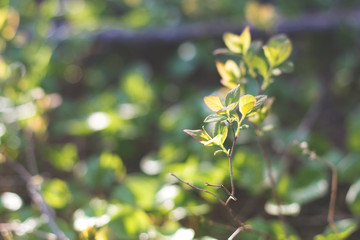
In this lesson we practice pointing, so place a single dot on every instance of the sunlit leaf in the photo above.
(238, 43)
(220, 130)
(213, 103)
(246, 104)
(260, 100)
(278, 49)
(259, 64)
(199, 135)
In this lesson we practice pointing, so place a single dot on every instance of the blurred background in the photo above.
(95, 96)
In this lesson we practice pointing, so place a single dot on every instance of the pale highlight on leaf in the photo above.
(245, 40)
(213, 103)
(225, 75)
(238, 43)
(246, 104)
(231, 41)
(199, 135)
(233, 69)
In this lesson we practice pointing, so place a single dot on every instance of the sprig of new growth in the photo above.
(250, 62)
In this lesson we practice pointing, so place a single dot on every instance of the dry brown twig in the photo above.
(37, 198)
(331, 212)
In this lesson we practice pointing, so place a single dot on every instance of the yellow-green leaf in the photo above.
(245, 40)
(238, 43)
(246, 104)
(213, 102)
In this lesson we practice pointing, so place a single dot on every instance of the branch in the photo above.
(37, 198)
(14, 226)
(272, 182)
(315, 22)
(334, 181)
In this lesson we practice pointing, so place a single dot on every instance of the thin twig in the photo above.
(230, 211)
(272, 182)
(232, 195)
(237, 231)
(199, 189)
(223, 187)
(37, 198)
(334, 183)
(30, 153)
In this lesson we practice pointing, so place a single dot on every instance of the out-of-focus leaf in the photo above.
(345, 226)
(353, 198)
(63, 157)
(277, 50)
(238, 43)
(56, 193)
(309, 184)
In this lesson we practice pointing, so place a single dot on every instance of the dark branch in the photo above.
(314, 22)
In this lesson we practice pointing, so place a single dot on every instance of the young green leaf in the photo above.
(233, 96)
(277, 50)
(227, 109)
(199, 135)
(229, 72)
(215, 118)
(220, 151)
(238, 43)
(246, 103)
(221, 132)
(213, 103)
(260, 100)
(259, 64)
(224, 73)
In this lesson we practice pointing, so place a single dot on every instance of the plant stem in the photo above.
(272, 182)
(239, 223)
(214, 195)
(37, 198)
(334, 181)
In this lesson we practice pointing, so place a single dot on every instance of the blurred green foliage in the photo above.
(100, 125)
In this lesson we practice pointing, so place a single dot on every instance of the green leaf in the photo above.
(219, 151)
(246, 103)
(309, 184)
(260, 100)
(199, 135)
(220, 130)
(259, 64)
(353, 198)
(215, 118)
(346, 227)
(285, 67)
(238, 43)
(227, 109)
(213, 103)
(233, 96)
(277, 50)
(56, 193)
(229, 72)
(63, 157)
